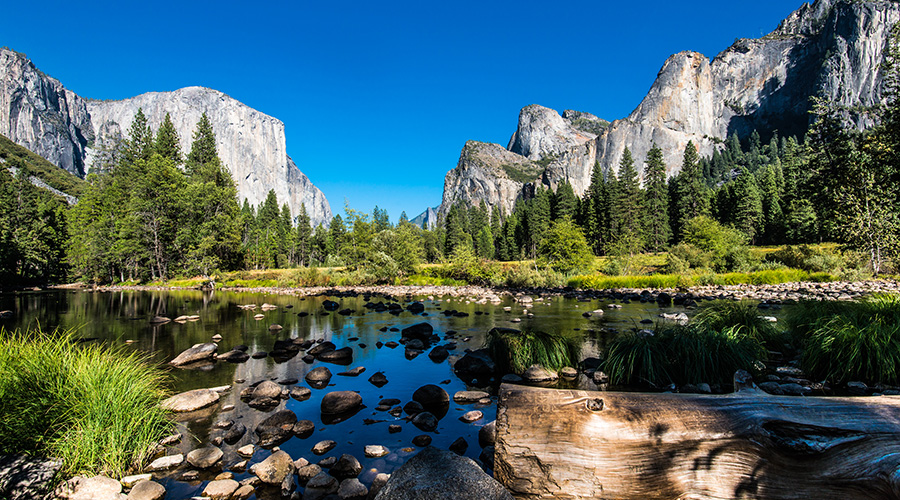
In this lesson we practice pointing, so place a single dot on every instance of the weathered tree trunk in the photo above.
(579, 444)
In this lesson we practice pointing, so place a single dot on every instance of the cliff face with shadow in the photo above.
(39, 113)
(832, 48)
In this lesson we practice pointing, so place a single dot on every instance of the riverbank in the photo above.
(796, 291)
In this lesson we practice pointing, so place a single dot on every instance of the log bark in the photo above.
(571, 444)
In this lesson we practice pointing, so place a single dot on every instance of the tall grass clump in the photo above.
(514, 351)
(741, 315)
(850, 341)
(96, 408)
(682, 355)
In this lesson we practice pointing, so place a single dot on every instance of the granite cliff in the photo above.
(37, 112)
(831, 48)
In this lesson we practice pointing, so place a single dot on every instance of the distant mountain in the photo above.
(831, 48)
(39, 113)
(428, 217)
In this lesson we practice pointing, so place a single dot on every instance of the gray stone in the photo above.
(435, 474)
(352, 489)
(377, 484)
(308, 472)
(338, 402)
(221, 489)
(375, 451)
(346, 467)
(487, 434)
(537, 373)
(147, 490)
(463, 397)
(323, 447)
(198, 352)
(276, 428)
(165, 463)
(204, 458)
(275, 468)
(320, 486)
(191, 400)
(471, 416)
(95, 488)
(425, 421)
(431, 395)
(24, 478)
(266, 389)
(318, 377)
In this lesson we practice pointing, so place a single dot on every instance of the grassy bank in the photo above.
(95, 408)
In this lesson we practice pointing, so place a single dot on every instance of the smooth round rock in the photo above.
(469, 396)
(376, 451)
(221, 488)
(147, 490)
(266, 389)
(191, 400)
(346, 467)
(422, 440)
(323, 447)
(487, 434)
(425, 421)
(431, 395)
(204, 458)
(471, 416)
(537, 373)
(337, 402)
(275, 468)
(352, 489)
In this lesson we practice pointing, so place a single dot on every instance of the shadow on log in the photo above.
(571, 444)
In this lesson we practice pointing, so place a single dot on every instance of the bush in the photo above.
(849, 341)
(95, 408)
(706, 244)
(515, 351)
(564, 248)
(682, 355)
(525, 276)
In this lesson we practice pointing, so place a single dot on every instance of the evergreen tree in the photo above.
(564, 203)
(690, 198)
(628, 213)
(538, 219)
(657, 227)
(303, 236)
(203, 147)
(139, 144)
(748, 213)
(167, 143)
(380, 219)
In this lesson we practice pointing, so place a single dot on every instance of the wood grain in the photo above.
(571, 444)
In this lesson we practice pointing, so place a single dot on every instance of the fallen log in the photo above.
(569, 444)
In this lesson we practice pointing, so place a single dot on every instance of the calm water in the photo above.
(122, 318)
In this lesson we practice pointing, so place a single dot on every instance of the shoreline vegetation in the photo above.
(94, 407)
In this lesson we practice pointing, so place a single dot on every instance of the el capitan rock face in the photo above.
(832, 48)
(37, 112)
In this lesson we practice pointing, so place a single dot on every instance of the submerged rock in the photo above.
(191, 400)
(198, 352)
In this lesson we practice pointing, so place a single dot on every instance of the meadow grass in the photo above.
(515, 351)
(94, 407)
(765, 277)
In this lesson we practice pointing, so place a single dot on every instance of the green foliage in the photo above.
(850, 341)
(515, 351)
(525, 276)
(564, 248)
(95, 408)
(682, 355)
(706, 244)
(658, 230)
(764, 277)
(742, 315)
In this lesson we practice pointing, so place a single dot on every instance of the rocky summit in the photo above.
(39, 113)
(832, 48)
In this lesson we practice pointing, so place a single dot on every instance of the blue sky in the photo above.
(378, 98)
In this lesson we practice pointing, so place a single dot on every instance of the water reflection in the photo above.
(123, 319)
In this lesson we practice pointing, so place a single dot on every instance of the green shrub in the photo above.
(848, 341)
(564, 248)
(682, 355)
(741, 315)
(525, 276)
(96, 408)
(706, 244)
(514, 351)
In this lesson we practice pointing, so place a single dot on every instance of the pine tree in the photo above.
(748, 214)
(691, 193)
(302, 237)
(564, 203)
(167, 142)
(592, 209)
(658, 230)
(538, 219)
(203, 147)
(139, 144)
(628, 212)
